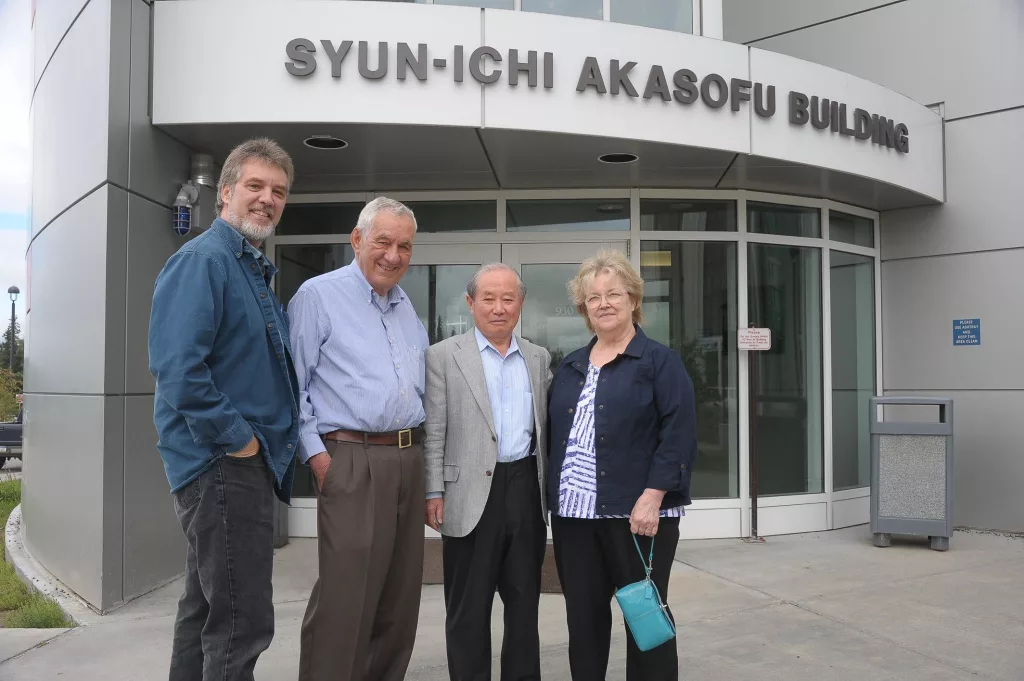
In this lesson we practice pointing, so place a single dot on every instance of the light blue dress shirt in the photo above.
(508, 390)
(359, 358)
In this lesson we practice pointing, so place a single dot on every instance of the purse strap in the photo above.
(649, 565)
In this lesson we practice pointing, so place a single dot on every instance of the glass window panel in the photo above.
(851, 229)
(674, 15)
(852, 280)
(296, 264)
(567, 215)
(319, 218)
(771, 218)
(690, 306)
(549, 318)
(785, 296)
(686, 215)
(438, 292)
(489, 4)
(588, 9)
(455, 216)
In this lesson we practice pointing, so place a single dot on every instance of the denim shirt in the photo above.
(645, 432)
(219, 350)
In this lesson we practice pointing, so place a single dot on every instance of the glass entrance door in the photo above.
(549, 318)
(435, 283)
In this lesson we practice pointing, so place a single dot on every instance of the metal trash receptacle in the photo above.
(912, 473)
(280, 523)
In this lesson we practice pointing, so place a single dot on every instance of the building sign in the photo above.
(754, 339)
(681, 87)
(966, 332)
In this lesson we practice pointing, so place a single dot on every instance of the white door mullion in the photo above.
(826, 354)
(743, 373)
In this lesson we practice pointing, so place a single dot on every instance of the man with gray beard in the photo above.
(226, 412)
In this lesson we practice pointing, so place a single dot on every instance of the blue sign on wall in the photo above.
(966, 332)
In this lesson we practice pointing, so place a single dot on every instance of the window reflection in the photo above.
(690, 305)
(549, 318)
(567, 215)
(438, 293)
(319, 218)
(296, 264)
(771, 218)
(588, 9)
(687, 215)
(455, 216)
(851, 229)
(673, 15)
(853, 367)
(488, 4)
(785, 296)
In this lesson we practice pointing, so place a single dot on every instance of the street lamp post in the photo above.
(13, 292)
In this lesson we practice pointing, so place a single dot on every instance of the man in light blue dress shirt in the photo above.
(358, 349)
(485, 461)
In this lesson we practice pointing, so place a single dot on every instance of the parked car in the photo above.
(10, 438)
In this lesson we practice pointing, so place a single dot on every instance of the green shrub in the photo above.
(37, 612)
(10, 496)
(19, 607)
(13, 591)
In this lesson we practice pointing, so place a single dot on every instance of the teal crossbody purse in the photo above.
(645, 614)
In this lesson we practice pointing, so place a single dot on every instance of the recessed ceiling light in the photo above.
(617, 158)
(324, 142)
(610, 208)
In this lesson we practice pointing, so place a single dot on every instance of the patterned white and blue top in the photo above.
(577, 488)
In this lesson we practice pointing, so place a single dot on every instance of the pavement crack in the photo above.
(38, 645)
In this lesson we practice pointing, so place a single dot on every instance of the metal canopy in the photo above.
(429, 158)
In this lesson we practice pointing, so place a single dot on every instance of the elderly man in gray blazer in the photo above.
(484, 455)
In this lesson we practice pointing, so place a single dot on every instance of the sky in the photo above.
(15, 154)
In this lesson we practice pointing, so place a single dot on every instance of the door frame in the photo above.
(724, 517)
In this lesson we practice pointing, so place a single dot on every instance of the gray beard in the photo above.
(250, 230)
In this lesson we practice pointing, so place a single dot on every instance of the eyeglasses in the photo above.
(613, 298)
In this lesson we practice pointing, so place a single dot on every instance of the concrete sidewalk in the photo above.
(816, 606)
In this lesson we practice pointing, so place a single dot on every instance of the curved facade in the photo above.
(757, 192)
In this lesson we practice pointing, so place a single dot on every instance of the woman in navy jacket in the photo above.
(622, 443)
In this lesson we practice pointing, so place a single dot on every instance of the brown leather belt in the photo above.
(399, 438)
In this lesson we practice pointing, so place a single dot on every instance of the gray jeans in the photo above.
(226, 614)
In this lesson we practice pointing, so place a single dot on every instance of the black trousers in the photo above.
(503, 553)
(595, 558)
(226, 613)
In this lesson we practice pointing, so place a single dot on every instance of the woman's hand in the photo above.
(646, 513)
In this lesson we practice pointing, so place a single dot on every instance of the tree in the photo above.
(19, 348)
(10, 388)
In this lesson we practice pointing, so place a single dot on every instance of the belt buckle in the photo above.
(408, 433)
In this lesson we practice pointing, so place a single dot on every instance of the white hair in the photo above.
(368, 216)
(474, 283)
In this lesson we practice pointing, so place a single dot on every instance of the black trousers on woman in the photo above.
(595, 558)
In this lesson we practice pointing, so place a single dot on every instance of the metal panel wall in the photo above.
(157, 163)
(71, 491)
(53, 18)
(966, 54)
(69, 117)
(103, 180)
(66, 348)
(963, 259)
(154, 547)
(983, 183)
(920, 299)
(157, 166)
(749, 20)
